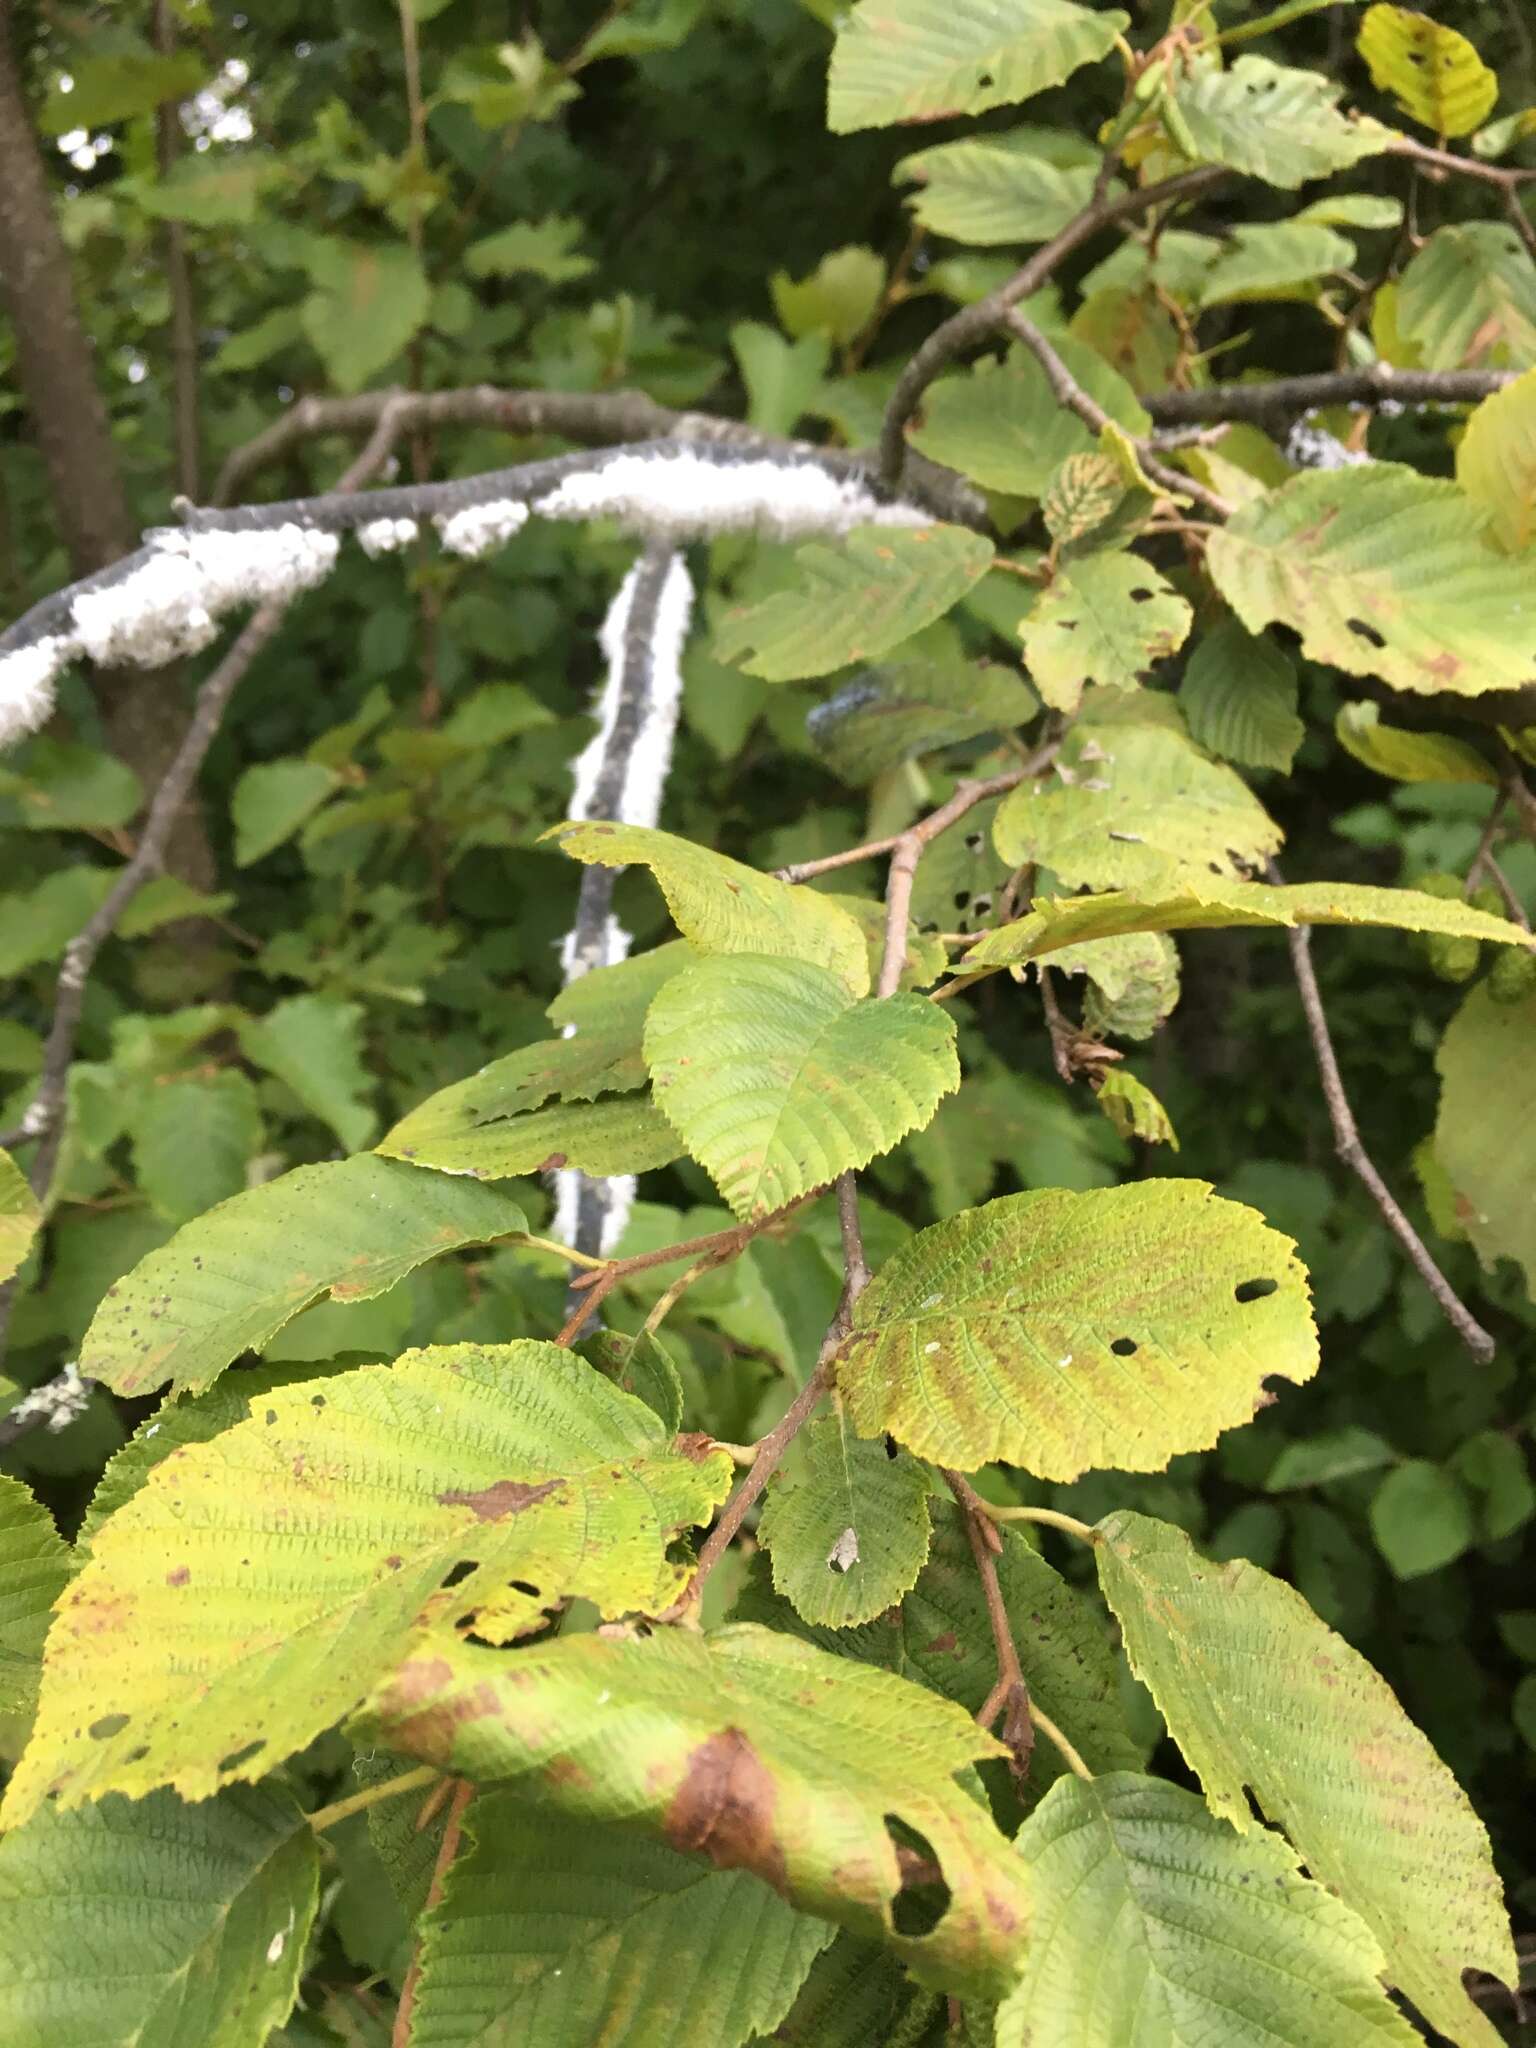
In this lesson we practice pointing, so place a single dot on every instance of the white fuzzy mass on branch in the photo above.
(26, 686)
(172, 603)
(686, 496)
(479, 528)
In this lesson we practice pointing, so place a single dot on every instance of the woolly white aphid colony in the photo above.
(169, 598)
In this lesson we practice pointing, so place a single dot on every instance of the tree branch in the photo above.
(185, 425)
(1352, 1152)
(974, 325)
(1284, 397)
(1010, 1692)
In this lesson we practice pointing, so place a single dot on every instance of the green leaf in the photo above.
(35, 1564)
(888, 715)
(61, 786)
(759, 1752)
(619, 1134)
(1193, 905)
(1421, 1519)
(1408, 756)
(783, 378)
(642, 1366)
(855, 1995)
(1135, 978)
(1469, 297)
(208, 192)
(272, 800)
(21, 1217)
(1021, 186)
(836, 301)
(847, 1531)
(1238, 697)
(1271, 121)
(778, 1080)
(229, 1280)
(167, 900)
(1383, 573)
(916, 60)
(613, 1000)
(568, 1931)
(639, 30)
(1336, 1454)
(1134, 1110)
(255, 1586)
(118, 83)
(1157, 1922)
(855, 602)
(372, 297)
(723, 907)
(547, 248)
(1143, 807)
(1069, 1332)
(1434, 74)
(1328, 1753)
(37, 924)
(193, 1136)
(1102, 619)
(184, 1926)
(1493, 1466)
(314, 1045)
(1281, 259)
(1003, 426)
(1496, 461)
(1487, 1124)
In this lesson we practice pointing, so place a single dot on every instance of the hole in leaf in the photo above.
(237, 1757)
(1141, 597)
(923, 1897)
(1254, 1290)
(459, 1572)
(525, 1587)
(984, 81)
(962, 898)
(136, 1756)
(1124, 1347)
(983, 906)
(109, 1724)
(975, 841)
(1367, 632)
(891, 1448)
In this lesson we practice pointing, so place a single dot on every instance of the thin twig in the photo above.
(974, 325)
(1048, 1518)
(1071, 1756)
(1010, 1693)
(1282, 396)
(463, 1792)
(1506, 180)
(1352, 1153)
(325, 1817)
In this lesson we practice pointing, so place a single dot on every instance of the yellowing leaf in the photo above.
(1434, 74)
(173, 1925)
(1382, 573)
(1134, 1110)
(723, 907)
(1193, 905)
(756, 1751)
(20, 1216)
(256, 1585)
(1142, 806)
(34, 1569)
(1153, 1914)
(1104, 618)
(1020, 186)
(857, 600)
(1259, 1694)
(847, 1528)
(230, 1279)
(1408, 756)
(923, 60)
(1469, 297)
(1485, 1135)
(836, 300)
(778, 1080)
(1069, 1332)
(1496, 461)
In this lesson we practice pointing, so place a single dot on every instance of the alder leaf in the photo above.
(1275, 260)
(194, 1135)
(1134, 977)
(35, 1564)
(1003, 426)
(778, 1080)
(1496, 461)
(613, 1000)
(1020, 186)
(759, 1752)
(314, 1045)
(230, 1279)
(723, 907)
(1434, 74)
(1408, 756)
(1103, 618)
(157, 1922)
(855, 601)
(565, 1931)
(887, 715)
(1194, 905)
(1485, 1133)
(1134, 1110)
(923, 60)
(1260, 1695)
(1469, 297)
(20, 1216)
(256, 1585)
(1383, 573)
(1238, 697)
(1272, 121)
(370, 298)
(1143, 806)
(1066, 1333)
(1156, 1921)
(847, 1530)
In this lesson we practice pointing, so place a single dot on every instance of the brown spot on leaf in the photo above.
(723, 1809)
(502, 1498)
(180, 1576)
(696, 1445)
(942, 1645)
(551, 1164)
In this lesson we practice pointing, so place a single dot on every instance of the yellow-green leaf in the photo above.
(1485, 1135)
(1134, 1110)
(1496, 461)
(1383, 573)
(778, 1080)
(1469, 297)
(1003, 426)
(723, 907)
(1070, 1332)
(1104, 618)
(256, 1585)
(846, 1528)
(34, 1569)
(1271, 121)
(1020, 186)
(1259, 1694)
(1434, 74)
(20, 1216)
(1408, 756)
